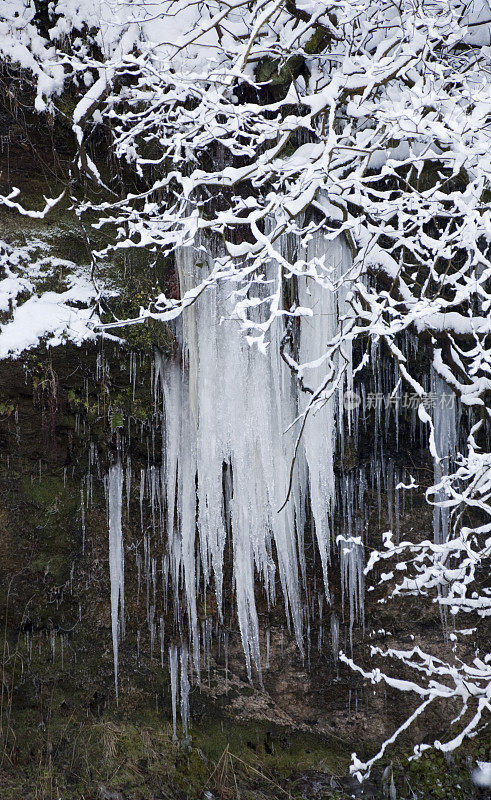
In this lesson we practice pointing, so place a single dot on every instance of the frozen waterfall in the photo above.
(230, 418)
(228, 449)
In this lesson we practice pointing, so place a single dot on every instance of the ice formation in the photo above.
(225, 412)
(317, 331)
(116, 560)
(445, 425)
(227, 451)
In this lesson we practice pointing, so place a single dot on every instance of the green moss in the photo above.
(53, 282)
(148, 336)
(317, 41)
(269, 70)
(116, 400)
(259, 742)
(48, 493)
(64, 748)
(6, 408)
(117, 420)
(48, 517)
(54, 565)
(437, 779)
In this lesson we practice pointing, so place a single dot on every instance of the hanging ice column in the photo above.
(323, 352)
(224, 422)
(445, 425)
(226, 454)
(116, 560)
(330, 260)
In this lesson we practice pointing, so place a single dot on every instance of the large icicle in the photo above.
(227, 457)
(116, 560)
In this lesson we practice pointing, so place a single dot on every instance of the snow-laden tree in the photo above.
(250, 123)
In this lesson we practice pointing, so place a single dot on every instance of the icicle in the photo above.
(82, 515)
(173, 685)
(226, 457)
(128, 485)
(397, 515)
(335, 637)
(116, 561)
(162, 639)
(151, 628)
(318, 435)
(445, 424)
(185, 717)
(351, 550)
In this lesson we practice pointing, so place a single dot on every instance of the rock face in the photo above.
(67, 414)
